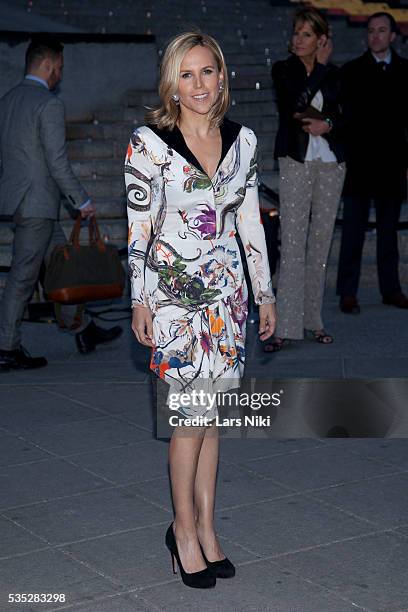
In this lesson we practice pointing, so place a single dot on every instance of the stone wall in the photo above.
(96, 75)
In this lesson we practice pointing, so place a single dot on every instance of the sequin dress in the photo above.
(184, 259)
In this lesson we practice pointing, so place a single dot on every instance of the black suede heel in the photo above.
(204, 579)
(223, 568)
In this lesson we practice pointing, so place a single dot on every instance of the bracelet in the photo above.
(330, 122)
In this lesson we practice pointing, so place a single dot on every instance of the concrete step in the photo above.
(100, 7)
(5, 254)
(154, 12)
(104, 131)
(252, 95)
(266, 142)
(6, 233)
(266, 162)
(98, 168)
(247, 59)
(112, 186)
(270, 178)
(258, 124)
(254, 82)
(249, 70)
(131, 115)
(254, 109)
(136, 97)
(91, 149)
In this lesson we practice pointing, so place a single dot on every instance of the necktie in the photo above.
(383, 66)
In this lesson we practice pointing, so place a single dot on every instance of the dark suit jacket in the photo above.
(34, 167)
(295, 91)
(375, 108)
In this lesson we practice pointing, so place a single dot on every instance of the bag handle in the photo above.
(94, 234)
(76, 231)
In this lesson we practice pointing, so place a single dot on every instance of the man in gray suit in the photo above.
(34, 171)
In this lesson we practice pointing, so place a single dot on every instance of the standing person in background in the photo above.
(34, 170)
(375, 107)
(311, 164)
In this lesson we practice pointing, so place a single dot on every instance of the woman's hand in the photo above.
(142, 325)
(267, 321)
(324, 50)
(315, 127)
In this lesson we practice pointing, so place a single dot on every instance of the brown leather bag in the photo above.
(84, 273)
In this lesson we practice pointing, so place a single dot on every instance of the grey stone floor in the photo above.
(312, 524)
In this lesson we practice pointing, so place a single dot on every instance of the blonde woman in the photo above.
(191, 185)
(311, 163)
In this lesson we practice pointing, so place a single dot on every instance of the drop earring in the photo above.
(221, 86)
(175, 99)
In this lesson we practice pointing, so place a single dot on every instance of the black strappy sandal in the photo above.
(275, 345)
(322, 336)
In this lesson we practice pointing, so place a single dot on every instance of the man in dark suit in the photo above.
(34, 171)
(375, 108)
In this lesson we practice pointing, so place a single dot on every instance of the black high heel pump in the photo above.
(204, 579)
(223, 568)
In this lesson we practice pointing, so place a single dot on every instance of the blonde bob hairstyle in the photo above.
(314, 18)
(167, 114)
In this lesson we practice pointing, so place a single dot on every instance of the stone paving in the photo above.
(312, 524)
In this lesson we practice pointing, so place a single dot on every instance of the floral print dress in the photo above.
(184, 258)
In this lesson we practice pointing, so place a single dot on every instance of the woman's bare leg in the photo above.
(184, 452)
(204, 494)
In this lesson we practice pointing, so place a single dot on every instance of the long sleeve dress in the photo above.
(184, 259)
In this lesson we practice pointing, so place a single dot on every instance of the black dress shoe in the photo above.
(92, 335)
(20, 359)
(349, 304)
(397, 299)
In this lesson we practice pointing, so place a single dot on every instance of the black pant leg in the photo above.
(355, 217)
(387, 214)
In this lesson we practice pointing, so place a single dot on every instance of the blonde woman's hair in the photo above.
(314, 18)
(167, 114)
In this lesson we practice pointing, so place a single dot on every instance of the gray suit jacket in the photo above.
(34, 167)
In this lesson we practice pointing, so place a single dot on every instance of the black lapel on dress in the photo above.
(229, 133)
(174, 140)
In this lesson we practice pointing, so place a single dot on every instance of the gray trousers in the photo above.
(34, 240)
(309, 199)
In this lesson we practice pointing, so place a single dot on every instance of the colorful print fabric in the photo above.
(184, 259)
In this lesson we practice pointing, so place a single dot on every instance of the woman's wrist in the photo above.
(138, 305)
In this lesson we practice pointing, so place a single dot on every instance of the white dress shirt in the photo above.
(387, 59)
(318, 147)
